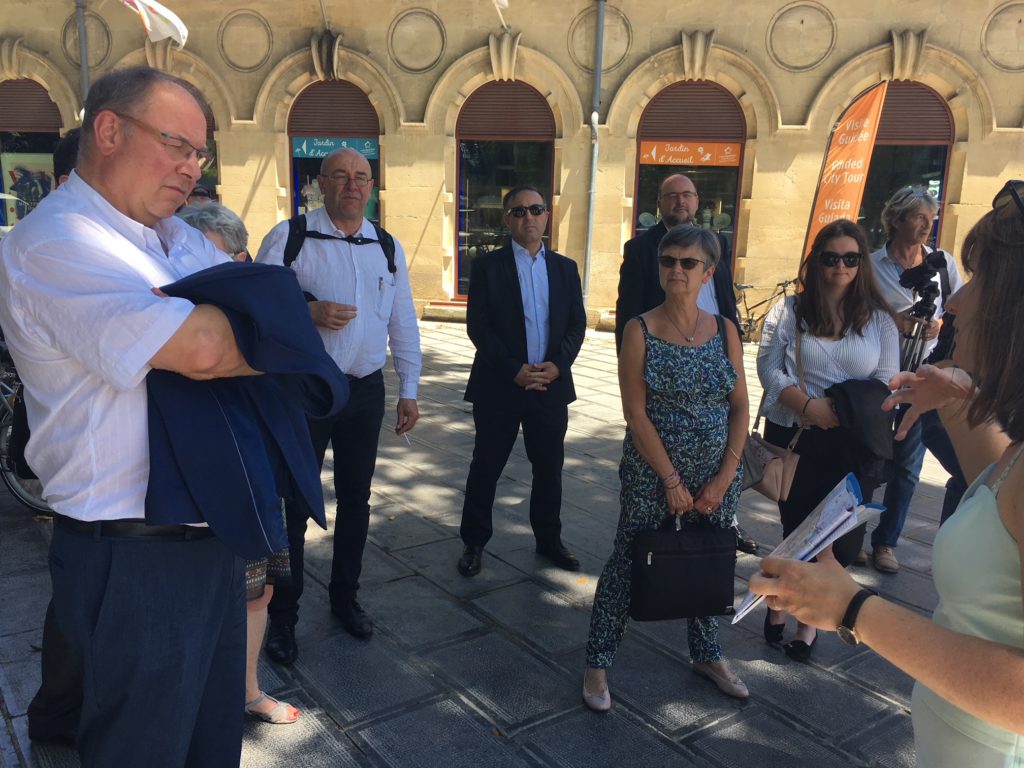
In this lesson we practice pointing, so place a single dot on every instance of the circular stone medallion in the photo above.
(245, 40)
(97, 36)
(800, 36)
(416, 40)
(618, 38)
(1002, 39)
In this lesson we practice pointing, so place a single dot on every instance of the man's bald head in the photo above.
(346, 182)
(677, 200)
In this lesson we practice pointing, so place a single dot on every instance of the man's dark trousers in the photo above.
(544, 421)
(353, 433)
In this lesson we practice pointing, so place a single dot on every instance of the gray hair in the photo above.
(904, 202)
(687, 235)
(214, 217)
(125, 91)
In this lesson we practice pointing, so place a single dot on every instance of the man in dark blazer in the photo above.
(525, 317)
(640, 287)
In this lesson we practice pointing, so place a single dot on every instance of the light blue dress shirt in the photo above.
(533, 285)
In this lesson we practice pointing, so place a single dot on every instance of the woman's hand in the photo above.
(816, 593)
(929, 388)
(709, 497)
(820, 413)
(679, 500)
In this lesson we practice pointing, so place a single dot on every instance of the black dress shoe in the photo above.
(745, 542)
(355, 620)
(560, 556)
(772, 632)
(798, 650)
(281, 645)
(471, 560)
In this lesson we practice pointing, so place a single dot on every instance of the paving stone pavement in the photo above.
(487, 671)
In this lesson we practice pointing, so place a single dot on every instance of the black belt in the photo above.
(131, 529)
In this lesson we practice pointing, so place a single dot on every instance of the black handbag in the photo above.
(683, 571)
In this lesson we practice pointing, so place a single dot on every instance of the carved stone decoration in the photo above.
(1002, 37)
(907, 49)
(10, 58)
(504, 50)
(618, 38)
(160, 55)
(245, 40)
(323, 47)
(694, 49)
(416, 40)
(97, 35)
(801, 35)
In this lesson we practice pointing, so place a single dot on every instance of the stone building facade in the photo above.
(453, 108)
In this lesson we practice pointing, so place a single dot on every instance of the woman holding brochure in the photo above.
(837, 328)
(968, 660)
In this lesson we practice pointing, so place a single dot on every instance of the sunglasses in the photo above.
(831, 258)
(1009, 192)
(688, 263)
(520, 211)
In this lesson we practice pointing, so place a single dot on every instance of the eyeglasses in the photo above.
(831, 258)
(1009, 192)
(677, 196)
(687, 263)
(176, 146)
(342, 179)
(519, 211)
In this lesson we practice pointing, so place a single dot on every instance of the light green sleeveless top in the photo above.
(976, 567)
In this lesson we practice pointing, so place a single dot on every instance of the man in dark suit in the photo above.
(640, 289)
(525, 317)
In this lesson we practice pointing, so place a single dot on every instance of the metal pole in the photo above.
(595, 106)
(83, 48)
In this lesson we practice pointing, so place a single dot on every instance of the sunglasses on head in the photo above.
(831, 258)
(688, 263)
(519, 211)
(1011, 191)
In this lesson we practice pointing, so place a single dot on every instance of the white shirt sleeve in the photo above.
(404, 331)
(272, 248)
(777, 335)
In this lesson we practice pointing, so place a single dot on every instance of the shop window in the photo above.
(915, 134)
(30, 126)
(505, 135)
(327, 116)
(697, 129)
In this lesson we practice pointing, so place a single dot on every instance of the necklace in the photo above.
(689, 339)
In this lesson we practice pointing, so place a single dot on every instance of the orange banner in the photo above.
(689, 153)
(845, 170)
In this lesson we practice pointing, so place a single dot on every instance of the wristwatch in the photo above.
(846, 630)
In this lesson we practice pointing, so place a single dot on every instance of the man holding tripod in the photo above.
(909, 272)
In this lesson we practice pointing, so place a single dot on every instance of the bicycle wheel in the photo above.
(28, 492)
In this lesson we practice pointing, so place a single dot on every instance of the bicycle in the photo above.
(27, 490)
(750, 320)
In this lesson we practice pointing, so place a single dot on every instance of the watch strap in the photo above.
(853, 609)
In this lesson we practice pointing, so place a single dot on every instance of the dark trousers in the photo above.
(157, 627)
(936, 439)
(544, 422)
(54, 711)
(824, 461)
(353, 434)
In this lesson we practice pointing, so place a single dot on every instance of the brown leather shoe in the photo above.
(884, 559)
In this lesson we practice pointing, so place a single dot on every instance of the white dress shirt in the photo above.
(887, 276)
(82, 323)
(873, 354)
(706, 299)
(346, 273)
(533, 285)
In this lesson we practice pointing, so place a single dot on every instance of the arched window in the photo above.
(695, 128)
(915, 135)
(505, 134)
(30, 126)
(326, 116)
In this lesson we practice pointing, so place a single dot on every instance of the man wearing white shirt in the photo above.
(361, 302)
(907, 219)
(155, 615)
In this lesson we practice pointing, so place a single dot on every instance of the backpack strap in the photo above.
(296, 237)
(387, 244)
(298, 232)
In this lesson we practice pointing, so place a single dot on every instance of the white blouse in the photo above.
(872, 354)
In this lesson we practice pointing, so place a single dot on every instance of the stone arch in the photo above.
(19, 62)
(296, 71)
(734, 72)
(946, 73)
(188, 66)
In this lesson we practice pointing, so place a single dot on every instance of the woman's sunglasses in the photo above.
(1009, 193)
(831, 258)
(687, 263)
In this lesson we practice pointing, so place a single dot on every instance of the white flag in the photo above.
(160, 23)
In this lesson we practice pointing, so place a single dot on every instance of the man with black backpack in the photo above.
(356, 281)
